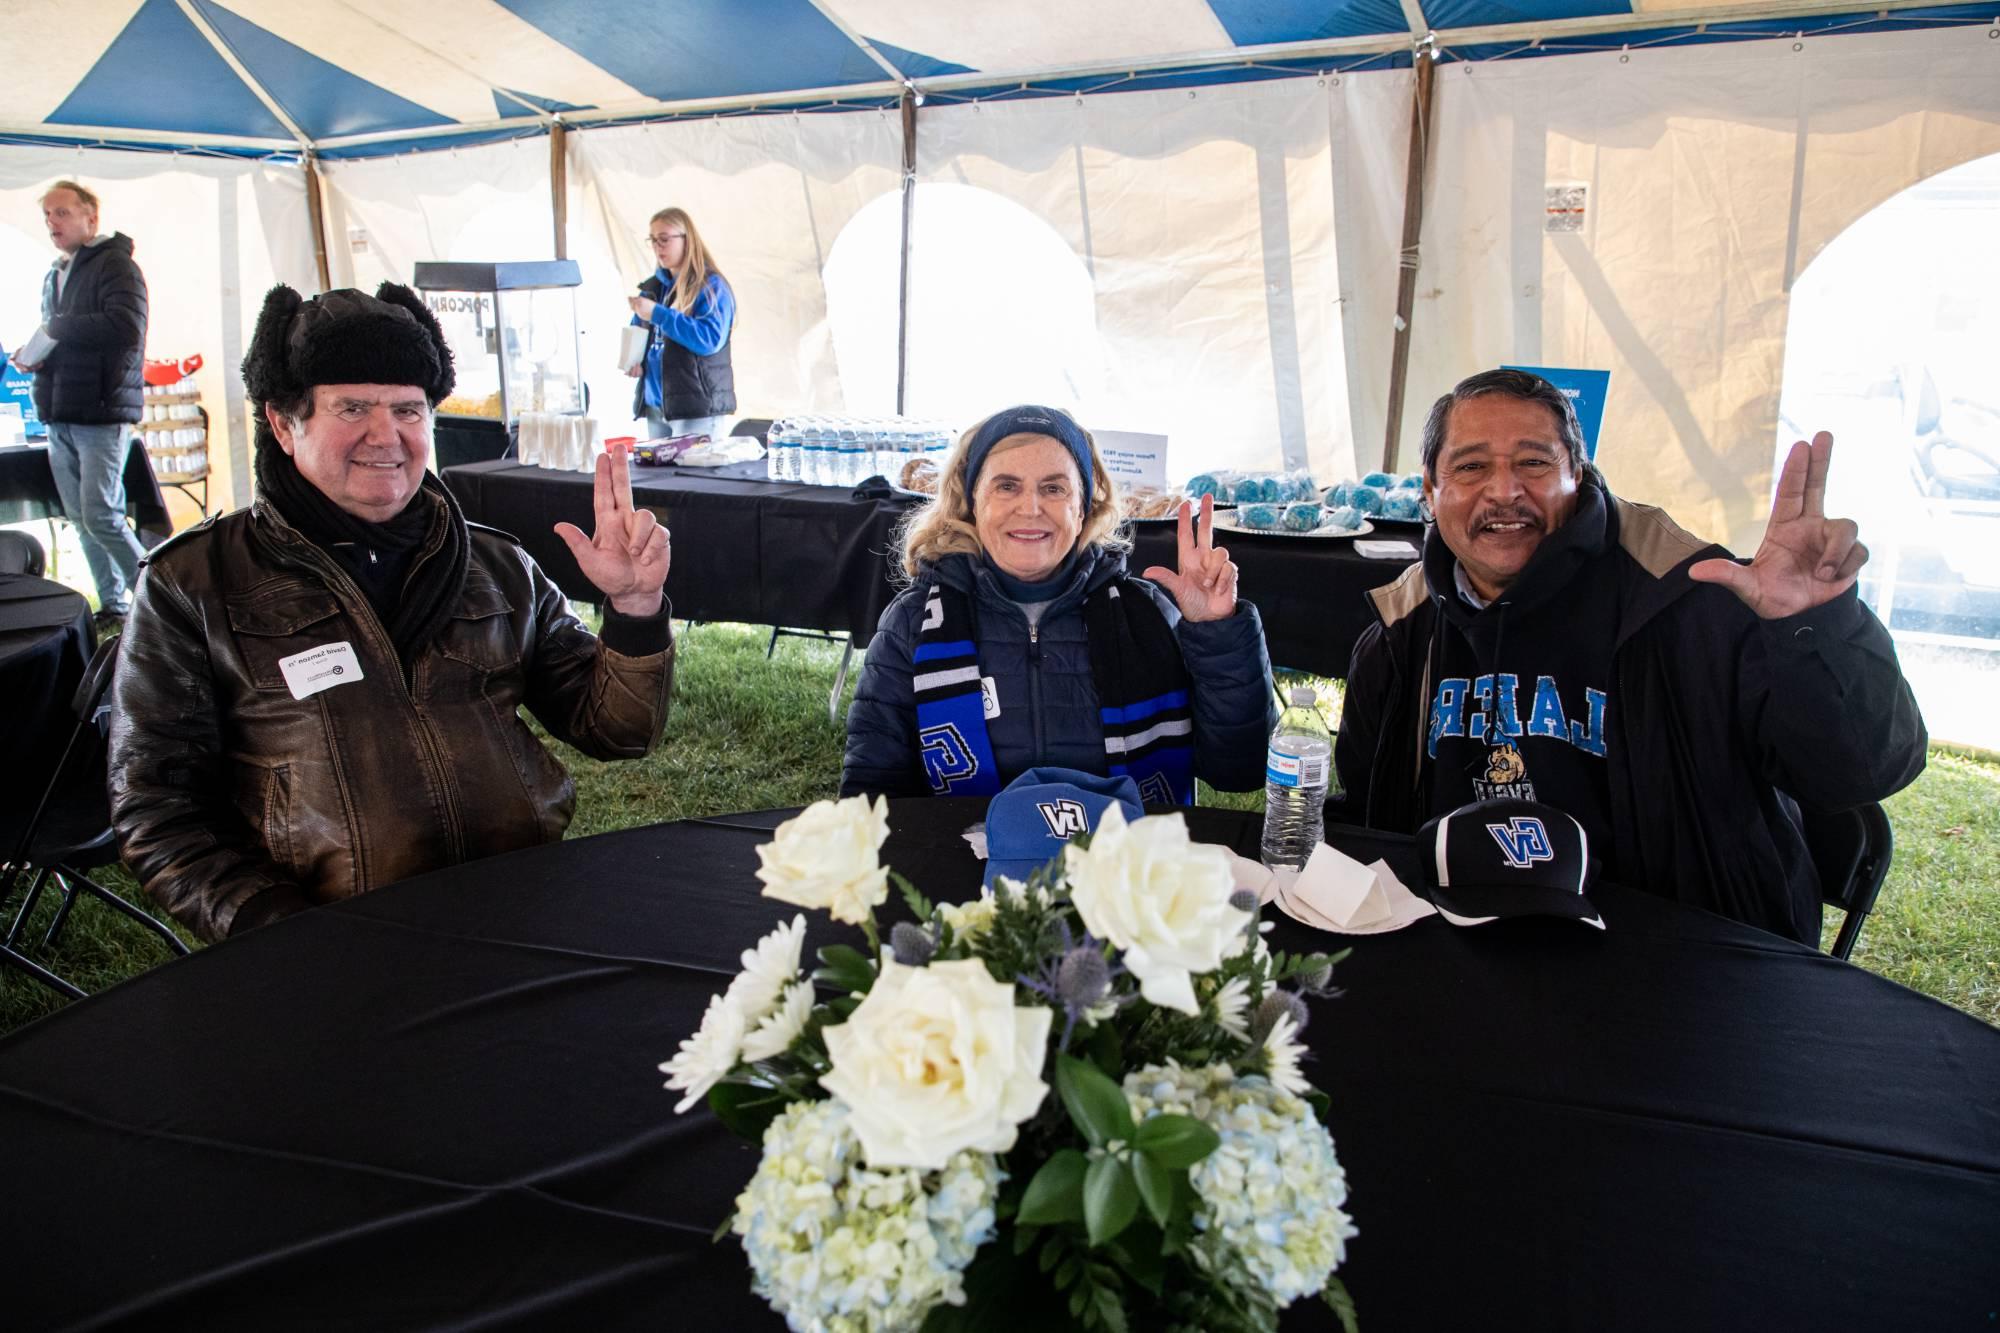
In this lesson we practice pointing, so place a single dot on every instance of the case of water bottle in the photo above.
(822, 450)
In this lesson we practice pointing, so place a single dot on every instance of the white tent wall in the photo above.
(384, 215)
(212, 234)
(1714, 175)
(1205, 220)
(770, 194)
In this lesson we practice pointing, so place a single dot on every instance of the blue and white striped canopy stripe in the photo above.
(377, 76)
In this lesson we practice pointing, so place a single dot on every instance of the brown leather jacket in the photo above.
(223, 785)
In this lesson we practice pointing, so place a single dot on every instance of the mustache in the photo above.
(1507, 514)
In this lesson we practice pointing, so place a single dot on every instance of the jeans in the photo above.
(663, 429)
(89, 463)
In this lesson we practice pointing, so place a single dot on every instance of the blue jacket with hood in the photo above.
(1048, 699)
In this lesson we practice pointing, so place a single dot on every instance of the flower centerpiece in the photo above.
(916, 1171)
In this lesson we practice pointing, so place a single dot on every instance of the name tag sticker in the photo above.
(989, 693)
(322, 668)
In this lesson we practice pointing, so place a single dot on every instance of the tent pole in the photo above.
(316, 211)
(1413, 228)
(903, 285)
(559, 186)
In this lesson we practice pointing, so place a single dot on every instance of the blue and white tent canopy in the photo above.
(358, 77)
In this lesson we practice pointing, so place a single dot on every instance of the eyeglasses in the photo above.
(667, 239)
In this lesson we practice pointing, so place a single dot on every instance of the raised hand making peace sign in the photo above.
(1205, 584)
(1806, 559)
(627, 556)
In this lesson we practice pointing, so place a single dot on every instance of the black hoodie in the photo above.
(1718, 724)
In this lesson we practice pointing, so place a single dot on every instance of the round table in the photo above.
(45, 643)
(437, 1106)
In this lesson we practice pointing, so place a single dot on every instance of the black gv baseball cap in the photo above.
(1507, 857)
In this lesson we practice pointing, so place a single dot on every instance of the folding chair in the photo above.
(70, 831)
(1851, 850)
(20, 554)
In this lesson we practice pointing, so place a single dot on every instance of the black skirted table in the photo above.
(28, 490)
(45, 642)
(437, 1107)
(823, 557)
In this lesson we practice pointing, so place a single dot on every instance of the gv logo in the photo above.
(1156, 789)
(947, 758)
(1065, 818)
(1523, 841)
(933, 612)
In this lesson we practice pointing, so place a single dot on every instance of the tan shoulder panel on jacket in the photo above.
(1406, 594)
(1653, 539)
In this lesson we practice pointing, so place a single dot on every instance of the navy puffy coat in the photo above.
(1048, 699)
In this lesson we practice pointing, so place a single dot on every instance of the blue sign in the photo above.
(1585, 390)
(18, 386)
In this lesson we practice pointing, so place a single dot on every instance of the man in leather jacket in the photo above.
(1558, 643)
(320, 694)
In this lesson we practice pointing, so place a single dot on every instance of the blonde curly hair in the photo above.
(945, 526)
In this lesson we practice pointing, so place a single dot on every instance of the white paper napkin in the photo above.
(1335, 892)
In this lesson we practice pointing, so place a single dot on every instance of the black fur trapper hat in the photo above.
(345, 337)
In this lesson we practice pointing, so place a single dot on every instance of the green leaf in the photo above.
(1110, 1310)
(1096, 1104)
(1337, 1300)
(1106, 1048)
(1156, 1186)
(746, 1110)
(845, 967)
(1322, 1106)
(1110, 1199)
(1175, 1141)
(920, 906)
(1139, 1253)
(1056, 1193)
(1025, 1238)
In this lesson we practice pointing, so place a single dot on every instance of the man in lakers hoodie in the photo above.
(1560, 644)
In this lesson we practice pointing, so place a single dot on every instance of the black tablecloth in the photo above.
(45, 643)
(745, 548)
(28, 490)
(437, 1106)
(819, 557)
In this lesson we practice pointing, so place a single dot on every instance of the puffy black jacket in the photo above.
(1723, 723)
(96, 375)
(690, 385)
(1048, 698)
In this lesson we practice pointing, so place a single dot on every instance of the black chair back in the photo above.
(1851, 850)
(758, 426)
(21, 554)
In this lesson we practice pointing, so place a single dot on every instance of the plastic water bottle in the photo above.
(853, 453)
(813, 441)
(1298, 769)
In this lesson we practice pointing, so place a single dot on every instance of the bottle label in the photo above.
(1292, 770)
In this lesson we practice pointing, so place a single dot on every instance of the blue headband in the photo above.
(1029, 420)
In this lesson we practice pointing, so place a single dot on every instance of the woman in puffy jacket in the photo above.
(1022, 642)
(687, 385)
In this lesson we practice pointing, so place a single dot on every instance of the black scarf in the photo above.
(415, 614)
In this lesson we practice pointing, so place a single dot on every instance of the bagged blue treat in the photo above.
(1346, 518)
(1259, 516)
(1297, 486)
(1338, 494)
(1401, 504)
(1381, 481)
(1409, 481)
(1208, 483)
(1257, 490)
(1301, 516)
(1366, 498)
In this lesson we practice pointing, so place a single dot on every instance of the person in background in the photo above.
(321, 694)
(1559, 644)
(686, 386)
(1021, 641)
(90, 387)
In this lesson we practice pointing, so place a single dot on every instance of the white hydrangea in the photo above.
(836, 1247)
(1271, 1196)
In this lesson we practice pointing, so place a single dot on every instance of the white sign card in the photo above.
(1133, 459)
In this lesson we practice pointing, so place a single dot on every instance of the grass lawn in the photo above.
(747, 734)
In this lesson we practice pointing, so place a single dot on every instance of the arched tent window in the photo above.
(1001, 309)
(1894, 334)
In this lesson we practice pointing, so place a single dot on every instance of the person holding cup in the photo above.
(686, 385)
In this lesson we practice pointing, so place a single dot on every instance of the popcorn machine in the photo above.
(512, 331)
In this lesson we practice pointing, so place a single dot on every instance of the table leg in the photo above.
(839, 683)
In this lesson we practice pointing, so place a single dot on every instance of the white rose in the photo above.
(937, 1060)
(1161, 899)
(829, 856)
